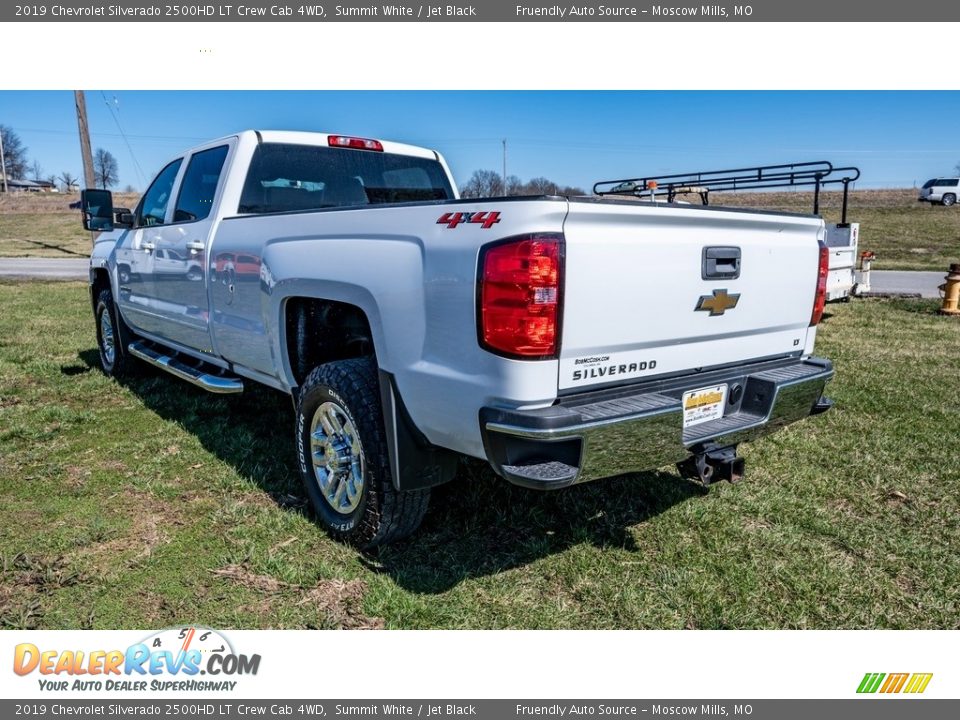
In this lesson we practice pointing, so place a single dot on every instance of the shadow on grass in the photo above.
(477, 525)
(481, 525)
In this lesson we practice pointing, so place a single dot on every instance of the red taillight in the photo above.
(519, 298)
(821, 298)
(354, 142)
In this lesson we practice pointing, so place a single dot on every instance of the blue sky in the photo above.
(573, 138)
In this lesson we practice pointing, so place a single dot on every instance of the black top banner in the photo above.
(484, 11)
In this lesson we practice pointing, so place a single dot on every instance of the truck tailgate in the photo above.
(636, 274)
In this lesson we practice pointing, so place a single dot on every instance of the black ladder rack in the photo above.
(807, 174)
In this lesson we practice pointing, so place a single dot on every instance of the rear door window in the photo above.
(284, 178)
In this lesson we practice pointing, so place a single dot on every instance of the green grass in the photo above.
(905, 234)
(150, 503)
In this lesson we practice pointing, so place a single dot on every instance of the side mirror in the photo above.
(97, 209)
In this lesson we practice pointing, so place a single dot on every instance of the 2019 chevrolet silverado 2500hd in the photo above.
(561, 339)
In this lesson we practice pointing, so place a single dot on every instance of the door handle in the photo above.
(720, 263)
(195, 246)
(147, 246)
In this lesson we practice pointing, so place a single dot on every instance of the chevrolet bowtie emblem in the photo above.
(718, 303)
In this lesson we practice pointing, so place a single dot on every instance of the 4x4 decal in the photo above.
(484, 219)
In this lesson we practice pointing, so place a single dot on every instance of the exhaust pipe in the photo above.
(713, 466)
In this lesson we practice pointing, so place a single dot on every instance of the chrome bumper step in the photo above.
(588, 437)
(193, 371)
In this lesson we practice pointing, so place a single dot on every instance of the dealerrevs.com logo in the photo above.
(171, 659)
(892, 683)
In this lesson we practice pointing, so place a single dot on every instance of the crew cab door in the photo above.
(179, 274)
(135, 253)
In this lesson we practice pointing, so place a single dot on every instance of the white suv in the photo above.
(940, 190)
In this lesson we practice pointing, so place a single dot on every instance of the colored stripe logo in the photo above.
(913, 683)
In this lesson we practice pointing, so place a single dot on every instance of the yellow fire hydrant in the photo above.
(951, 291)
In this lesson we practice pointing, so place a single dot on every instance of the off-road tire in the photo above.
(384, 514)
(122, 364)
(948, 200)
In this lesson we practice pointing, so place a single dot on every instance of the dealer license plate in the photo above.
(704, 405)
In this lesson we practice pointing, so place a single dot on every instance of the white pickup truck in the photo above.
(560, 339)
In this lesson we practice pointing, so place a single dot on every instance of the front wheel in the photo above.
(949, 199)
(113, 336)
(342, 454)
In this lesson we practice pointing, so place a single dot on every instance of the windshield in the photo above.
(284, 178)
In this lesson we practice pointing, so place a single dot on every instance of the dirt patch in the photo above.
(242, 575)
(339, 601)
(24, 581)
(77, 476)
(150, 520)
(342, 602)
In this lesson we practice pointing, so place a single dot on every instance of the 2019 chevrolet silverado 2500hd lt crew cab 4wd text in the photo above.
(560, 339)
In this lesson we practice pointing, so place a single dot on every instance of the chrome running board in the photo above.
(196, 375)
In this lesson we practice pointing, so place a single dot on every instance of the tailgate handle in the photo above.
(721, 263)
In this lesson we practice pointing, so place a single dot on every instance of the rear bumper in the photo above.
(602, 434)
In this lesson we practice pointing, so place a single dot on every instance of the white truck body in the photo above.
(842, 241)
(652, 302)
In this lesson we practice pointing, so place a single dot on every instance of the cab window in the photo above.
(199, 186)
(289, 178)
(153, 206)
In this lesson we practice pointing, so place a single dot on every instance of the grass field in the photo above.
(150, 503)
(43, 225)
(905, 234)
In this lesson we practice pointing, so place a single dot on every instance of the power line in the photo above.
(136, 163)
(114, 135)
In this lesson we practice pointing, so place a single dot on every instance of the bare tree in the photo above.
(14, 153)
(36, 171)
(487, 183)
(69, 180)
(957, 167)
(483, 183)
(52, 179)
(541, 186)
(105, 168)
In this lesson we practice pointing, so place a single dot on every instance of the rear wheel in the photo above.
(949, 199)
(342, 453)
(113, 336)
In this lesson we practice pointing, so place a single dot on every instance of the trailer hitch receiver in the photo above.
(713, 465)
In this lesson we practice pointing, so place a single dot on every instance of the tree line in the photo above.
(18, 165)
(487, 183)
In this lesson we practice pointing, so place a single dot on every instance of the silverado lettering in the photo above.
(623, 369)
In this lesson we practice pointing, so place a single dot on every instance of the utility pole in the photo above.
(3, 164)
(90, 180)
(504, 166)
